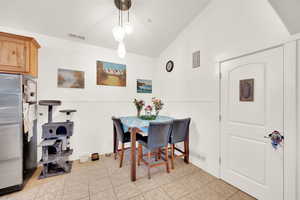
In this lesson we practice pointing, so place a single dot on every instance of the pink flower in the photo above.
(148, 108)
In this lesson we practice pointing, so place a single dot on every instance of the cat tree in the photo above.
(55, 145)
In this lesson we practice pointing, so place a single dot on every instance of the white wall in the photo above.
(95, 104)
(225, 29)
(298, 118)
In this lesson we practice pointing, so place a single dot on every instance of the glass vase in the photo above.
(156, 113)
(138, 113)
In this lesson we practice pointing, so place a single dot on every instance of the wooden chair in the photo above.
(180, 133)
(158, 137)
(123, 138)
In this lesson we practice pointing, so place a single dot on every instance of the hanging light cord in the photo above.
(128, 16)
(119, 17)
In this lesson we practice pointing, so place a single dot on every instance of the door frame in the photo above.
(289, 118)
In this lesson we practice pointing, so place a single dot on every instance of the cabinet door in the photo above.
(14, 55)
(33, 70)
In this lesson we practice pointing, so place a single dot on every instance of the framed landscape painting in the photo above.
(143, 86)
(111, 74)
(70, 78)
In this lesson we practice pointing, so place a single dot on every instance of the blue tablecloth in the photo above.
(135, 122)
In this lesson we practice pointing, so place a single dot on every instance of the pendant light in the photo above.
(127, 26)
(119, 31)
(122, 28)
(121, 50)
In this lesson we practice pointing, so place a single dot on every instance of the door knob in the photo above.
(276, 139)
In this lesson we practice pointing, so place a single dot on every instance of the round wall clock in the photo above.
(169, 66)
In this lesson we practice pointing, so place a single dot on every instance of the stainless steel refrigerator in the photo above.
(11, 132)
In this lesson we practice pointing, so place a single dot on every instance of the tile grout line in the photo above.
(113, 187)
(63, 193)
(168, 194)
(160, 184)
(228, 198)
(194, 190)
(89, 189)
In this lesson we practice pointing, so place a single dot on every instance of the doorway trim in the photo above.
(289, 118)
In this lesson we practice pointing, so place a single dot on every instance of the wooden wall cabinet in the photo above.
(18, 54)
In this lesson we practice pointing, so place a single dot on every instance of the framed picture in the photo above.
(196, 59)
(111, 74)
(70, 78)
(247, 90)
(144, 86)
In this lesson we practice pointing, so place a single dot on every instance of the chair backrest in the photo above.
(180, 130)
(119, 128)
(159, 134)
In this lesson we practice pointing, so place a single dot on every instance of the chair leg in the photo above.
(159, 154)
(140, 154)
(117, 150)
(172, 155)
(122, 155)
(167, 159)
(186, 152)
(149, 161)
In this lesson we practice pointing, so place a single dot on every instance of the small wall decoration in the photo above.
(170, 66)
(247, 90)
(70, 78)
(144, 86)
(111, 74)
(276, 139)
(196, 59)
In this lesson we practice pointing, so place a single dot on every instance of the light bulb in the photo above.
(121, 50)
(128, 28)
(118, 33)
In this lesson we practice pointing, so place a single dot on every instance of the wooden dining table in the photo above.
(136, 125)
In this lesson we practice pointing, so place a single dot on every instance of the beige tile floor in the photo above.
(104, 180)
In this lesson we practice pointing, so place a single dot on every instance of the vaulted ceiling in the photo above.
(156, 22)
(289, 12)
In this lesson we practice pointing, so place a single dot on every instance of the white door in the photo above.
(252, 108)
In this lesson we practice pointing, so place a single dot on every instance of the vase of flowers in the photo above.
(158, 105)
(139, 104)
(148, 110)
